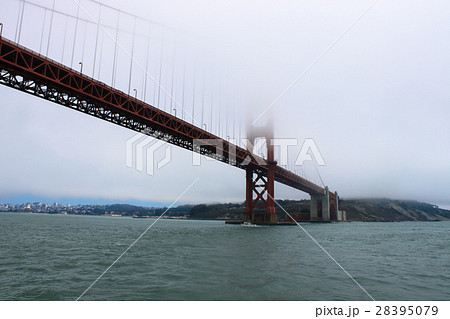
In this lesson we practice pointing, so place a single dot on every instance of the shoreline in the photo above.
(227, 221)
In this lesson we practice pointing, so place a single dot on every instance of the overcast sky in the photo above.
(376, 104)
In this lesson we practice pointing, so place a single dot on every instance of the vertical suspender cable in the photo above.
(144, 75)
(102, 36)
(291, 167)
(166, 69)
(64, 41)
(84, 41)
(219, 105)
(184, 83)
(42, 33)
(21, 21)
(75, 36)
(173, 73)
(96, 40)
(234, 117)
(203, 98)
(132, 56)
(50, 28)
(18, 20)
(193, 94)
(227, 98)
(146, 61)
(113, 80)
(239, 113)
(293, 162)
(155, 84)
(160, 70)
(289, 162)
(211, 111)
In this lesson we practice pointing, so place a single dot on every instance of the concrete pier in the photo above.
(320, 206)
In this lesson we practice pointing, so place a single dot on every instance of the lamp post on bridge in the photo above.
(204, 124)
(135, 94)
(81, 66)
(1, 30)
(175, 112)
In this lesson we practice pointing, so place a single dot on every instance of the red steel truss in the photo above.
(30, 72)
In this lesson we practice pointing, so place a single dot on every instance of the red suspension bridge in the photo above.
(37, 74)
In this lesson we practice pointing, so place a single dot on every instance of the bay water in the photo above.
(57, 257)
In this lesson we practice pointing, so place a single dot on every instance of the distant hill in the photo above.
(368, 210)
(217, 211)
(388, 210)
(123, 209)
(373, 210)
(130, 210)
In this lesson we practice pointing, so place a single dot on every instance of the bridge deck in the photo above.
(30, 72)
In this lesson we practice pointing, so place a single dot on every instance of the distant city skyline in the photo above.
(23, 199)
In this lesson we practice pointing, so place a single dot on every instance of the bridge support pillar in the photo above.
(334, 206)
(248, 212)
(320, 206)
(259, 196)
(271, 215)
(260, 190)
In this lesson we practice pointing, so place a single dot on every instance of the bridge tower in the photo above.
(324, 207)
(260, 191)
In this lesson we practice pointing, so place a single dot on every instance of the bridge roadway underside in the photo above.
(30, 72)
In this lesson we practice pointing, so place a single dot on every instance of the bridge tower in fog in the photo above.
(260, 184)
